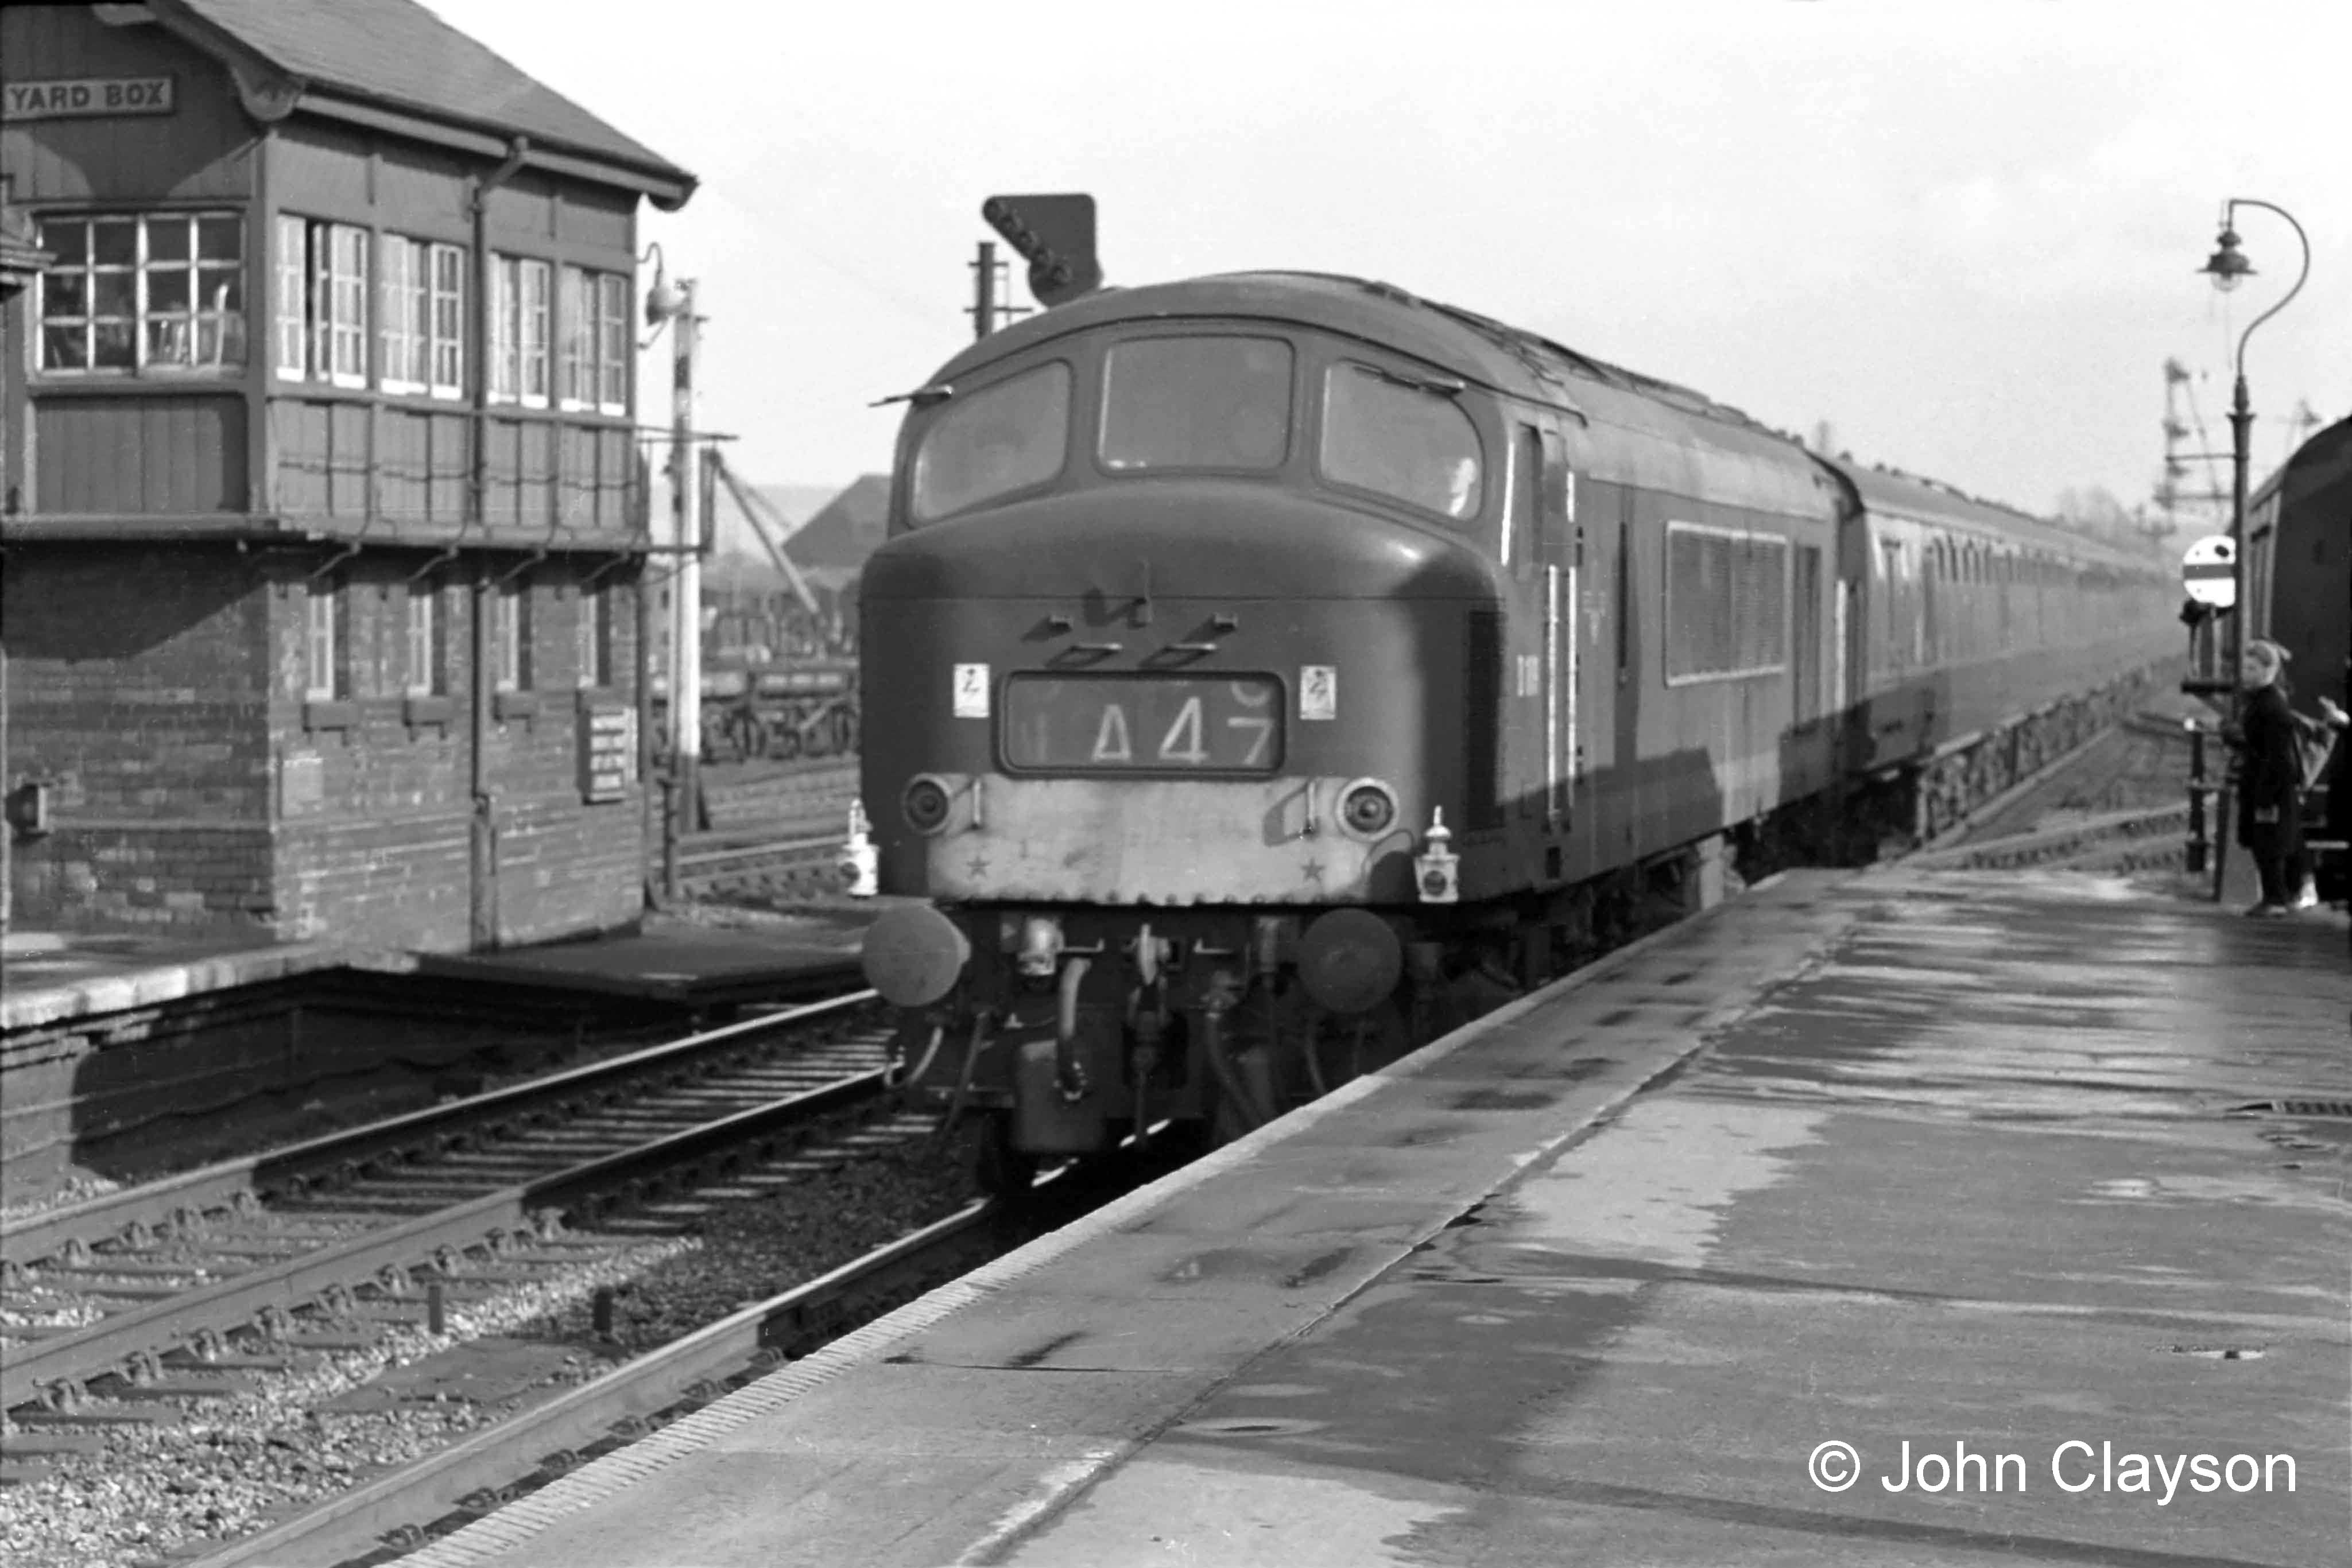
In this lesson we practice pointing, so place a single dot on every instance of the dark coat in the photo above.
(2270, 777)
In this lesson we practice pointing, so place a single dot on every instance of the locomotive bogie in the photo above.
(1076, 1021)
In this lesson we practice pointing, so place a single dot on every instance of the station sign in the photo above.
(608, 751)
(2209, 570)
(86, 97)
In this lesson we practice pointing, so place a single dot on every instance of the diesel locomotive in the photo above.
(1275, 668)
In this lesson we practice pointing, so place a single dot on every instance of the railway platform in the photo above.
(50, 977)
(1899, 1216)
(692, 964)
(54, 977)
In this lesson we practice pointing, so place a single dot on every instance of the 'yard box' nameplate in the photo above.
(87, 97)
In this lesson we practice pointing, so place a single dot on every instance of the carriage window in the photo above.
(989, 442)
(1409, 441)
(1196, 403)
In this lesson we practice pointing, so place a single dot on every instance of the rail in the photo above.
(550, 1437)
(59, 1364)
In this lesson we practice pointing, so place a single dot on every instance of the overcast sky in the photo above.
(1965, 235)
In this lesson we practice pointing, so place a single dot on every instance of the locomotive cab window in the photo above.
(1009, 436)
(1397, 438)
(1196, 403)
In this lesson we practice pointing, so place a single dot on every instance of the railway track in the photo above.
(401, 1511)
(125, 1299)
(2117, 805)
(799, 860)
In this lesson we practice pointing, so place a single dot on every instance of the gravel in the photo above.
(237, 1463)
(72, 1189)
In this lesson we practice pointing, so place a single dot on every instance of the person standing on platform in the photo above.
(2270, 780)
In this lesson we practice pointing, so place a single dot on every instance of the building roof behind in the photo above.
(399, 53)
(849, 529)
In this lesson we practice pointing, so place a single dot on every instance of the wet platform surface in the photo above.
(1956, 1161)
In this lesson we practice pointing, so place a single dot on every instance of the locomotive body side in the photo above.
(1696, 569)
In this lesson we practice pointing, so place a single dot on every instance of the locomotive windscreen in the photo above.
(1147, 724)
(1385, 434)
(1196, 401)
(993, 441)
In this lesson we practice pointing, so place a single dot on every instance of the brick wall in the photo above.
(564, 865)
(136, 687)
(377, 796)
(199, 787)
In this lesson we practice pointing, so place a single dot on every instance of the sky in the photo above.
(1967, 236)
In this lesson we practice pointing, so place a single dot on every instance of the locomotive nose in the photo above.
(1216, 541)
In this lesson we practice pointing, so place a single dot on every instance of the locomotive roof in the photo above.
(1518, 363)
(1747, 464)
(1477, 348)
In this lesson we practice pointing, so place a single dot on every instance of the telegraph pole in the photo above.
(685, 580)
(983, 290)
(991, 293)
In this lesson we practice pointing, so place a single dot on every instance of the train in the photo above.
(2298, 582)
(1283, 666)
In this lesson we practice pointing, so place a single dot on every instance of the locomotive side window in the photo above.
(1196, 403)
(989, 442)
(1401, 439)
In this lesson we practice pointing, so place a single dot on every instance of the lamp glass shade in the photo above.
(2228, 264)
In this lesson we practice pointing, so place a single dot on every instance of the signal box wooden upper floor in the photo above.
(329, 269)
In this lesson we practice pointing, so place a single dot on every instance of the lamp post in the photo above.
(2227, 265)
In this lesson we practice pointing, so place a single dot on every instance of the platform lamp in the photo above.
(668, 304)
(2226, 267)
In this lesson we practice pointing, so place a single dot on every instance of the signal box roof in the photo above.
(396, 55)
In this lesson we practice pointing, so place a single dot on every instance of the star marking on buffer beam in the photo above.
(1312, 871)
(978, 867)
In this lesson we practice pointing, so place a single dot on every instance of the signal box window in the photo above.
(595, 633)
(1196, 403)
(511, 638)
(521, 302)
(425, 678)
(420, 316)
(165, 291)
(1409, 443)
(596, 345)
(1003, 438)
(322, 643)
